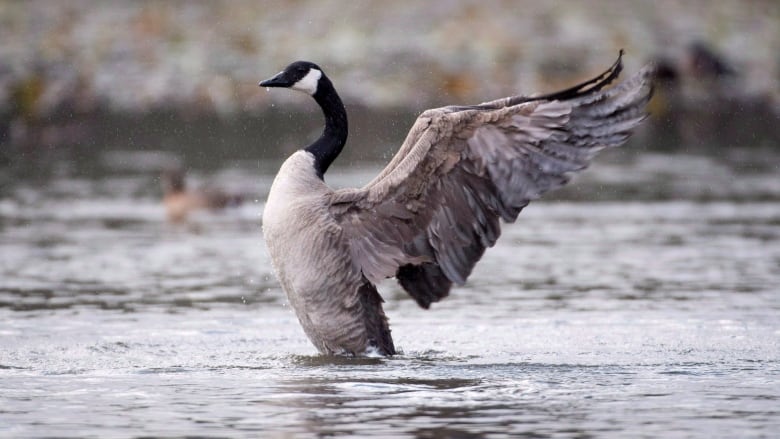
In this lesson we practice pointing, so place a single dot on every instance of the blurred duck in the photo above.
(180, 202)
(699, 74)
(700, 101)
(704, 63)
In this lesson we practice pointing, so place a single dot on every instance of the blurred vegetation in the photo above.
(65, 65)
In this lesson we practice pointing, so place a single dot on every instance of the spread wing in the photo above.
(428, 217)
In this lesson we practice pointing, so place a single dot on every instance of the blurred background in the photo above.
(180, 76)
(127, 116)
(136, 152)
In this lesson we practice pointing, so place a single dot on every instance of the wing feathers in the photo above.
(426, 283)
(428, 217)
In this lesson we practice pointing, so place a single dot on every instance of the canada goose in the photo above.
(429, 215)
(180, 202)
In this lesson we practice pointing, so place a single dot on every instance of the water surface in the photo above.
(641, 301)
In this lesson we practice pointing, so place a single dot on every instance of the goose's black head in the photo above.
(308, 78)
(301, 75)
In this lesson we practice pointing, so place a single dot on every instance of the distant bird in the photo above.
(180, 202)
(429, 215)
(704, 63)
(704, 101)
(699, 66)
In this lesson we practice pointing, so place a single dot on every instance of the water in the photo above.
(641, 301)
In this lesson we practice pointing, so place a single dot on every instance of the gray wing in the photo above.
(428, 217)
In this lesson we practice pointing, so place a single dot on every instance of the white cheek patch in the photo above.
(309, 82)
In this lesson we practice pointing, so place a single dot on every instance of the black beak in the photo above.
(280, 80)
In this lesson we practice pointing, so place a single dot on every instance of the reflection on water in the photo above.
(640, 300)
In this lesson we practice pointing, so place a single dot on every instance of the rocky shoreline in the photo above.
(65, 64)
(209, 55)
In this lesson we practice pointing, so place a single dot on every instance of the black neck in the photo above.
(329, 145)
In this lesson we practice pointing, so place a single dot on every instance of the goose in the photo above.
(179, 201)
(429, 215)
